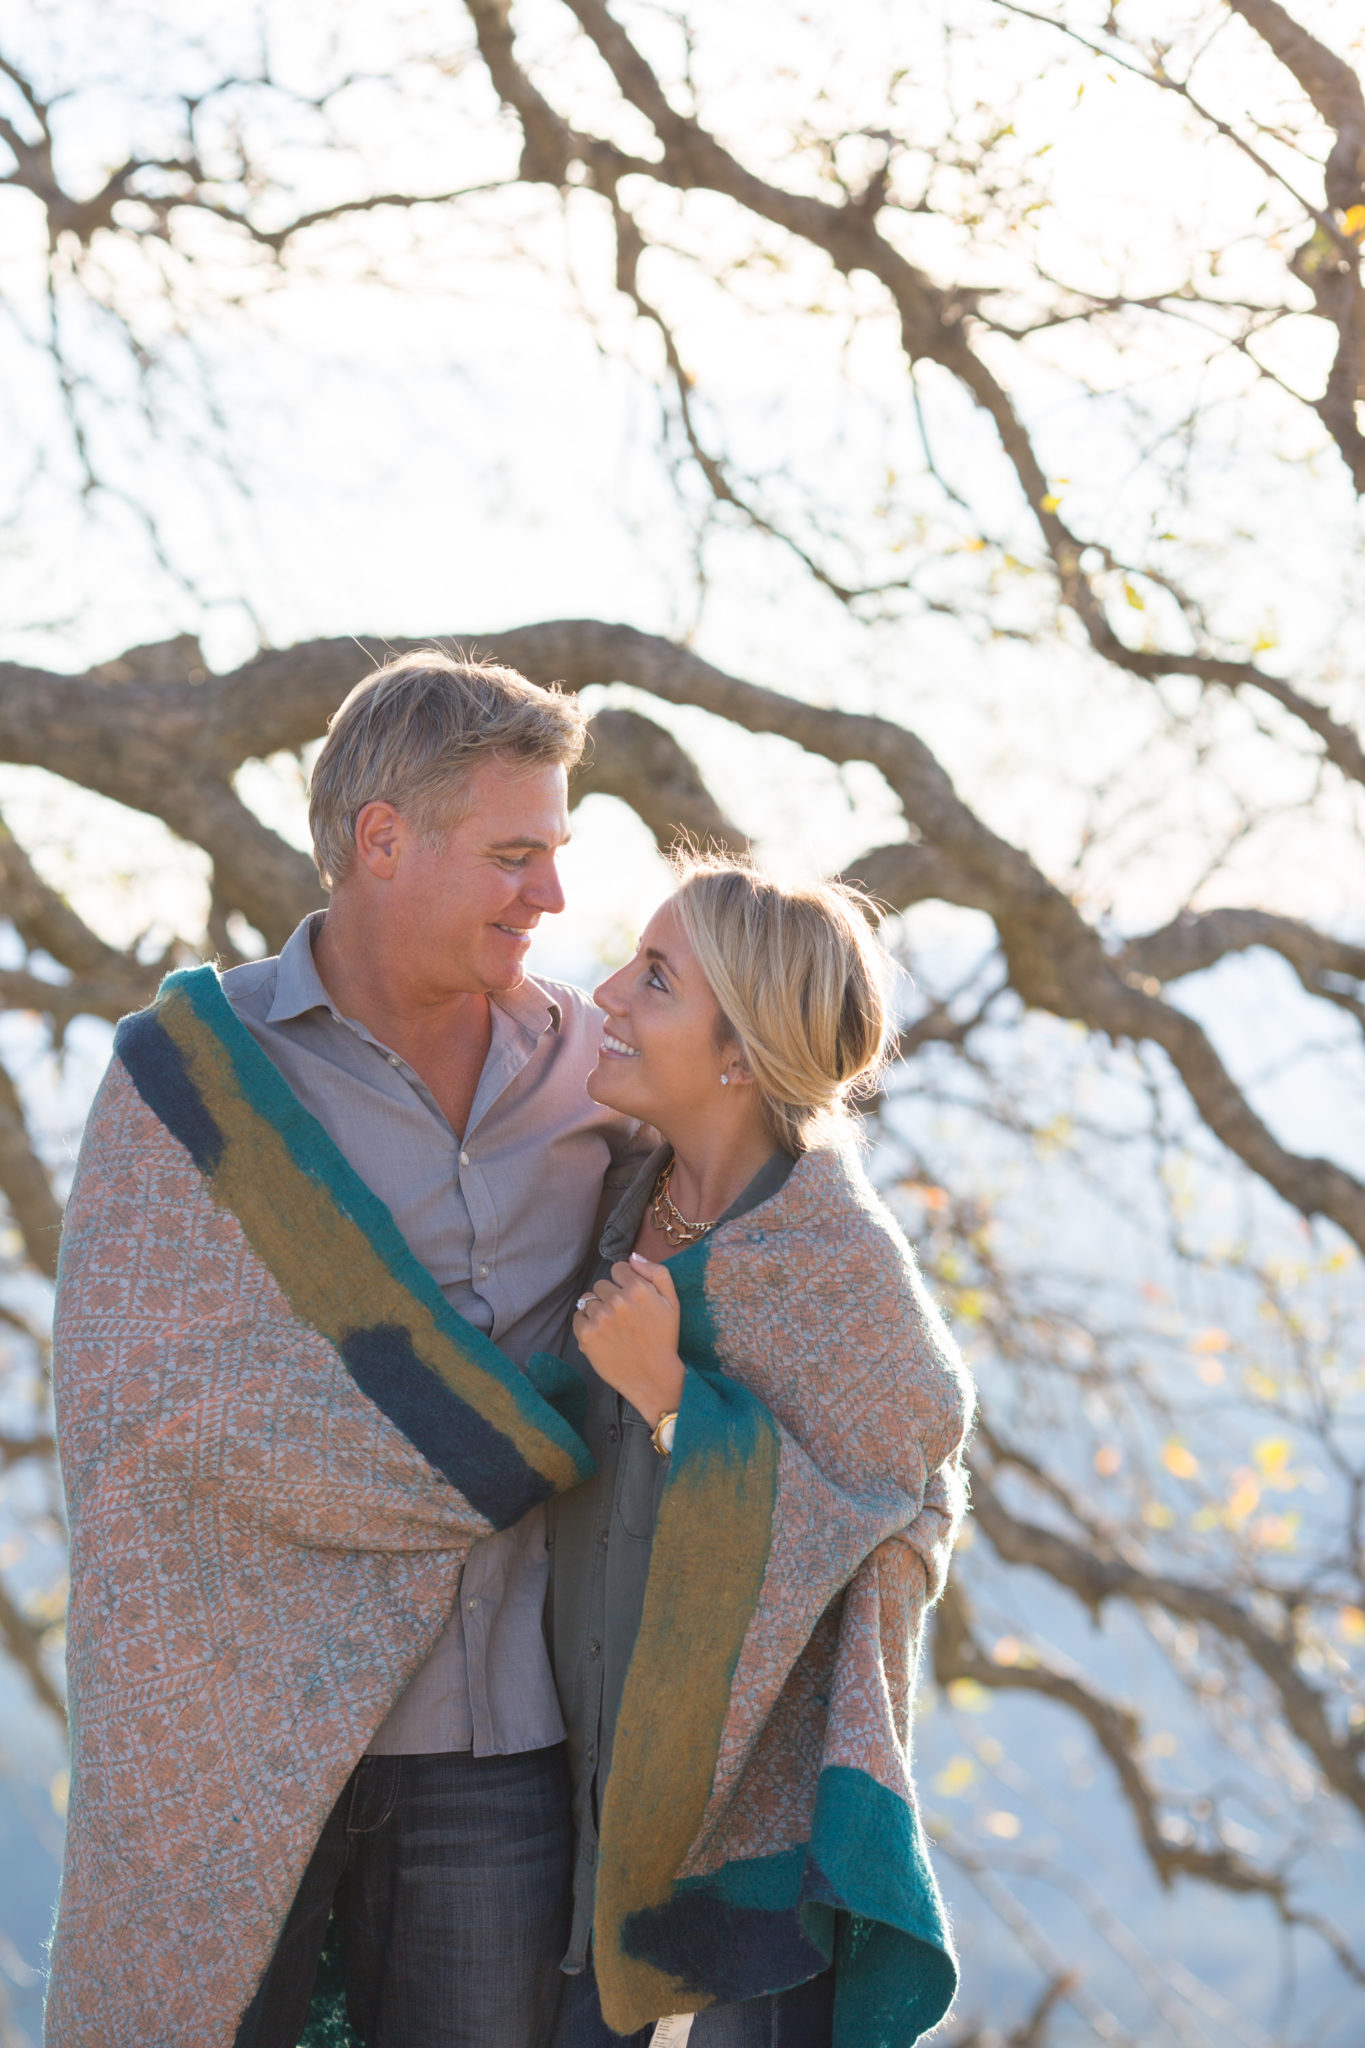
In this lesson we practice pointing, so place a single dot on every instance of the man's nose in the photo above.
(545, 892)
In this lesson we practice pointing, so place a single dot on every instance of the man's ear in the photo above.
(379, 832)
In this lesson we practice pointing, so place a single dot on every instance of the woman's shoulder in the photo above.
(825, 1240)
(827, 1198)
(823, 1272)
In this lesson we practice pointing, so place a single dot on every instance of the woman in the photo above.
(777, 1417)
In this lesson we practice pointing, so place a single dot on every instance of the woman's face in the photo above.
(660, 1058)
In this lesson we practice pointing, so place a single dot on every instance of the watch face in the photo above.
(666, 1430)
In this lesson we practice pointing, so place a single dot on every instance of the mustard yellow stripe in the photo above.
(330, 1271)
(705, 1581)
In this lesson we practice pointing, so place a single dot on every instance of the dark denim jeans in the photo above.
(800, 2018)
(449, 1878)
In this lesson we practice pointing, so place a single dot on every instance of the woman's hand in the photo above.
(627, 1329)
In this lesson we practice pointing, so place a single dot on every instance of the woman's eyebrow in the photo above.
(653, 953)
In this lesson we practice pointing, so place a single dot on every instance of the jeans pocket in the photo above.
(373, 1794)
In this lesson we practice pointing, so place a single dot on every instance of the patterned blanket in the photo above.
(279, 1443)
(759, 1821)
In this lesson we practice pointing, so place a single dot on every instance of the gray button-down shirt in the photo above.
(503, 1218)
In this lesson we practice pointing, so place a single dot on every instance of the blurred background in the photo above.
(931, 439)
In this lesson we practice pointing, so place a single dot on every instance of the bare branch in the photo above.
(1096, 1579)
(633, 758)
(23, 1639)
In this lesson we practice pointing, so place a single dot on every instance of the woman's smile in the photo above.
(614, 1048)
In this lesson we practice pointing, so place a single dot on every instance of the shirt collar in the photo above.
(299, 987)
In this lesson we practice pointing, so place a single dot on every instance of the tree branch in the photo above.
(1097, 1579)
(171, 748)
(23, 1639)
(632, 758)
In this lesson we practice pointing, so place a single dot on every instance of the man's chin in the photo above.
(500, 980)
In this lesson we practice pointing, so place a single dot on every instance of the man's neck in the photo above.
(380, 986)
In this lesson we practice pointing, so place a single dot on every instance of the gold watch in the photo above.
(661, 1436)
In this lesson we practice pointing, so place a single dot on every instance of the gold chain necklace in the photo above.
(668, 1217)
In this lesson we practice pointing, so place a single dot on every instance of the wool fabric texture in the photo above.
(759, 1820)
(279, 1443)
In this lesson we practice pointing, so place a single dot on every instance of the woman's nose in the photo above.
(606, 995)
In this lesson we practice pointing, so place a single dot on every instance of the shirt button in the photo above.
(471, 1605)
(394, 1060)
(464, 1159)
(483, 1272)
(594, 1649)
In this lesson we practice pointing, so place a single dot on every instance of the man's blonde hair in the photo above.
(412, 733)
(802, 982)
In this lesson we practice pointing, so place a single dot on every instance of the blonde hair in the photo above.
(802, 983)
(413, 732)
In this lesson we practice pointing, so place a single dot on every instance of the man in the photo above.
(309, 1672)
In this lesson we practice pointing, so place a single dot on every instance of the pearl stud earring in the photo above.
(725, 1080)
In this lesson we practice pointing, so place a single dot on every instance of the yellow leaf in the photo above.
(1157, 1515)
(953, 1780)
(1108, 1459)
(1354, 222)
(1276, 1532)
(1210, 1340)
(1245, 1496)
(1272, 1457)
(1005, 1825)
(966, 1694)
(1351, 1622)
(1051, 502)
(1178, 1459)
(1134, 596)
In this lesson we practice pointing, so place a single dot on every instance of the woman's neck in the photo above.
(712, 1169)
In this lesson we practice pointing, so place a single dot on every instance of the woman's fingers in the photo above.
(656, 1276)
(604, 1296)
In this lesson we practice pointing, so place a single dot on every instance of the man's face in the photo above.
(463, 908)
